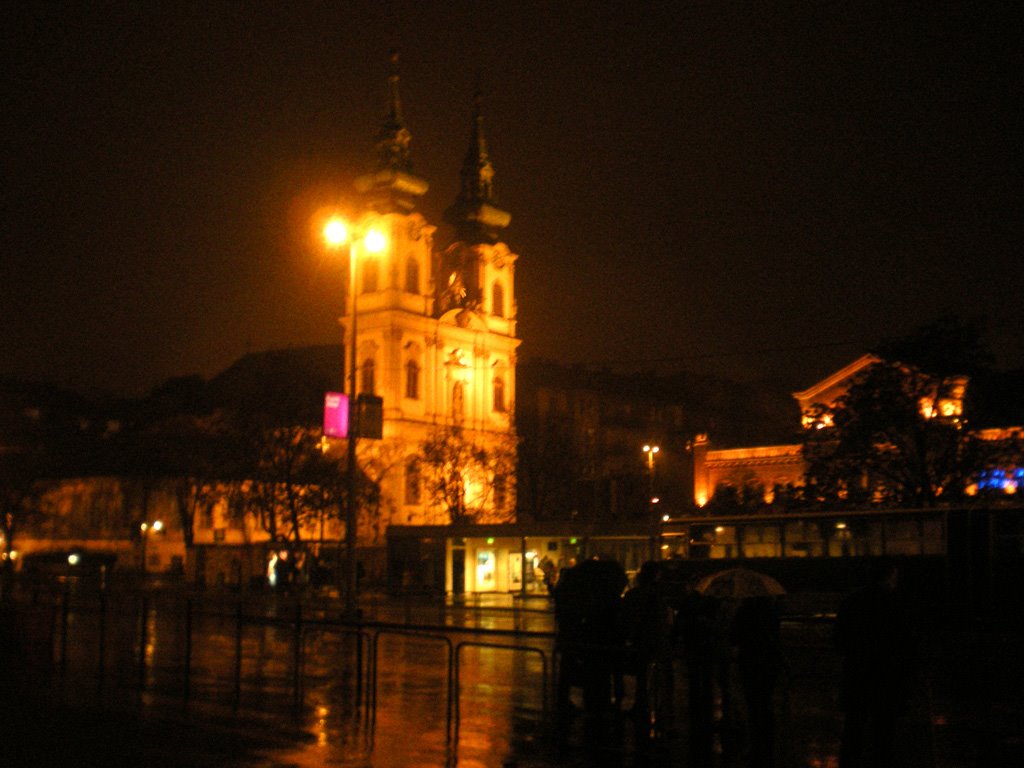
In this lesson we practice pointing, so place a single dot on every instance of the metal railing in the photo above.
(73, 611)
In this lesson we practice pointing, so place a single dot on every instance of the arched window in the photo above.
(367, 370)
(412, 481)
(458, 403)
(412, 275)
(370, 275)
(499, 394)
(497, 300)
(412, 380)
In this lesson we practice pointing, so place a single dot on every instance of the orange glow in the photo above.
(374, 241)
(951, 407)
(336, 232)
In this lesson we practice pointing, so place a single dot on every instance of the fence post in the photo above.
(297, 661)
(238, 654)
(64, 610)
(188, 650)
(143, 642)
(359, 667)
(102, 661)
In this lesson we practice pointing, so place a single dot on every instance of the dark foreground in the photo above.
(61, 707)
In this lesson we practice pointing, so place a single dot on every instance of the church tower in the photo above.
(436, 340)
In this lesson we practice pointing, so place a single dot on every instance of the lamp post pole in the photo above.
(337, 233)
(145, 540)
(652, 502)
(351, 517)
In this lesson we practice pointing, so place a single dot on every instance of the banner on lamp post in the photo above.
(336, 413)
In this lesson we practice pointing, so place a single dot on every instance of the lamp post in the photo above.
(156, 526)
(337, 234)
(652, 500)
(651, 451)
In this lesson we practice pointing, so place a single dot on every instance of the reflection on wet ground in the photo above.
(219, 686)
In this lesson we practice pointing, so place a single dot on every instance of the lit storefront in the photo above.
(503, 557)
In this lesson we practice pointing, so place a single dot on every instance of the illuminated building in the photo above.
(777, 466)
(436, 337)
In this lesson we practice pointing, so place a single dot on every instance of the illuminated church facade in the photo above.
(436, 340)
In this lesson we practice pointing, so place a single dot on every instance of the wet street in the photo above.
(277, 682)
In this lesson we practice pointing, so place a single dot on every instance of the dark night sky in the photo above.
(713, 181)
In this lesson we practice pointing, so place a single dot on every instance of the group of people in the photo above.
(731, 651)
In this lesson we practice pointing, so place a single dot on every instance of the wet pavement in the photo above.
(385, 703)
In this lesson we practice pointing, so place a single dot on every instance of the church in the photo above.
(435, 345)
(435, 340)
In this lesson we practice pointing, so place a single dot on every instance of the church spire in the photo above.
(477, 171)
(392, 186)
(394, 138)
(473, 215)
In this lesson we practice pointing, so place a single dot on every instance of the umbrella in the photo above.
(739, 583)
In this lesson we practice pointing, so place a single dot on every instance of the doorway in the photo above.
(458, 571)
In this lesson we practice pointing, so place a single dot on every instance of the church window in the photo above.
(413, 483)
(458, 403)
(499, 394)
(371, 274)
(497, 300)
(412, 380)
(412, 275)
(367, 369)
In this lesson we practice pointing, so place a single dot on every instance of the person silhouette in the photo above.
(872, 635)
(695, 626)
(647, 627)
(759, 662)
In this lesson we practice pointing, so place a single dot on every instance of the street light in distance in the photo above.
(147, 528)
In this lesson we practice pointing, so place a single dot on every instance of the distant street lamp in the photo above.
(338, 234)
(652, 501)
(155, 527)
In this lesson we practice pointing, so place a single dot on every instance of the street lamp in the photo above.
(338, 234)
(156, 526)
(652, 501)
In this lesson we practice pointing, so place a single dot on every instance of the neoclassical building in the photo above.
(769, 466)
(436, 338)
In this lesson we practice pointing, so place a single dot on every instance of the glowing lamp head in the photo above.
(73, 558)
(158, 526)
(336, 232)
(375, 241)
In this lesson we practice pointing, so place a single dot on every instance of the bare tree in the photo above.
(455, 462)
(292, 481)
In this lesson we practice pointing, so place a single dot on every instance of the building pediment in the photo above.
(829, 389)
